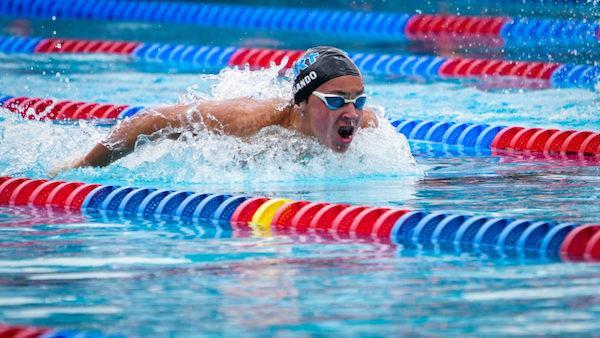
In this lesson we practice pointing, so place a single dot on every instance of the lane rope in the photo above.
(488, 31)
(507, 73)
(547, 143)
(464, 233)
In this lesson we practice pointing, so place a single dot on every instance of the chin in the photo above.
(341, 148)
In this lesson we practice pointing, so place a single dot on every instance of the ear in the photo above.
(302, 108)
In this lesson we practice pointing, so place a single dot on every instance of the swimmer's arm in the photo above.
(369, 118)
(121, 140)
(237, 117)
(241, 117)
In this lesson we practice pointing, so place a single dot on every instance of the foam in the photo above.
(273, 155)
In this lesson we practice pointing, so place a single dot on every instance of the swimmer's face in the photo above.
(335, 128)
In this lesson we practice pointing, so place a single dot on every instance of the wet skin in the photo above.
(240, 117)
(324, 124)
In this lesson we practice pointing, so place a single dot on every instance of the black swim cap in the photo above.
(317, 66)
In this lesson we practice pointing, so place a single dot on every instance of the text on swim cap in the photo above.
(304, 81)
(305, 62)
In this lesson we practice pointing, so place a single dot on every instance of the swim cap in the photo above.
(317, 66)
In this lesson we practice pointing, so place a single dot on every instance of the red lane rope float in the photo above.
(591, 145)
(323, 219)
(40, 107)
(54, 111)
(476, 68)
(77, 196)
(22, 332)
(554, 144)
(342, 222)
(82, 111)
(568, 240)
(551, 142)
(363, 223)
(40, 195)
(49, 109)
(572, 144)
(539, 139)
(303, 218)
(257, 58)
(576, 243)
(59, 195)
(282, 219)
(521, 138)
(504, 137)
(68, 110)
(64, 46)
(20, 196)
(17, 103)
(452, 27)
(384, 224)
(8, 187)
(244, 212)
(592, 250)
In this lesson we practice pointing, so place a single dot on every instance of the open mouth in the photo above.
(346, 132)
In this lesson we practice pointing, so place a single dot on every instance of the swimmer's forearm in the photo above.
(100, 156)
(121, 140)
(369, 118)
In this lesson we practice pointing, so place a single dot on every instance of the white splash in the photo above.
(47, 311)
(83, 275)
(92, 262)
(274, 154)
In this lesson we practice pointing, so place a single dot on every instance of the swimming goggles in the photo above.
(333, 101)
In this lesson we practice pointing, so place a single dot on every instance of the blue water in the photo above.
(160, 277)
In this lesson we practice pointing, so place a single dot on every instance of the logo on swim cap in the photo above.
(317, 66)
(304, 81)
(304, 62)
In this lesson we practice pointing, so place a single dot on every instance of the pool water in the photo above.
(161, 277)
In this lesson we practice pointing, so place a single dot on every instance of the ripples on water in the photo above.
(275, 154)
(158, 277)
(147, 277)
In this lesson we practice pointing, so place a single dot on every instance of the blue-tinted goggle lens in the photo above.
(337, 102)
(360, 102)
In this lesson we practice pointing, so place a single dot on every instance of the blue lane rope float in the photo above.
(390, 25)
(480, 137)
(531, 32)
(499, 31)
(462, 233)
(214, 58)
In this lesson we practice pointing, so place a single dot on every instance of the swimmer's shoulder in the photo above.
(282, 111)
(243, 116)
(370, 117)
(275, 111)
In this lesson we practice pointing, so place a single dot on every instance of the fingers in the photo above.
(64, 166)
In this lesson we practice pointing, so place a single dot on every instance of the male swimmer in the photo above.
(329, 104)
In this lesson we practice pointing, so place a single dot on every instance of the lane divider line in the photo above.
(547, 143)
(507, 73)
(465, 233)
(479, 30)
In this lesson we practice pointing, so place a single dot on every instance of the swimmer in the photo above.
(329, 104)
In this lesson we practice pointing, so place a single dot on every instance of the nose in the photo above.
(349, 112)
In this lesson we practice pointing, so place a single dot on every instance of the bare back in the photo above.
(240, 117)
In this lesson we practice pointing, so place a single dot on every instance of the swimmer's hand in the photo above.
(99, 156)
(69, 164)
